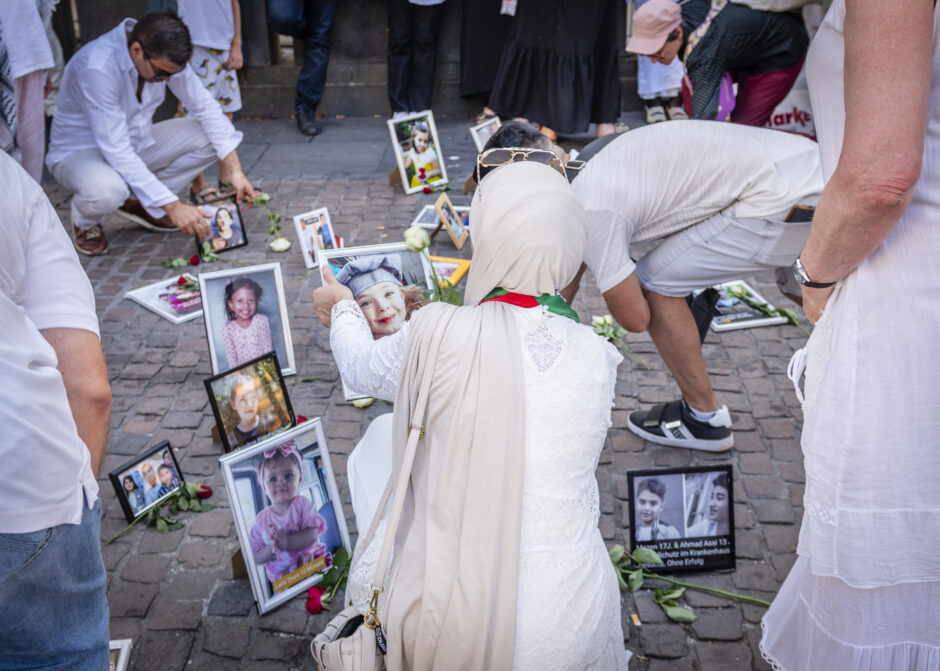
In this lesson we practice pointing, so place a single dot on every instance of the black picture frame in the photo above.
(266, 370)
(218, 243)
(133, 470)
(689, 536)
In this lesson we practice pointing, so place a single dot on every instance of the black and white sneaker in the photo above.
(672, 424)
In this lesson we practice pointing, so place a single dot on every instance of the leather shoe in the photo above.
(307, 121)
(133, 211)
(90, 241)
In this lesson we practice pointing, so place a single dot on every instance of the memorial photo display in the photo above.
(147, 480)
(685, 514)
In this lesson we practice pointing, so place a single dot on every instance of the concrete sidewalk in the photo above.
(174, 593)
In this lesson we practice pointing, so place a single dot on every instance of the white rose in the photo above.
(363, 402)
(416, 238)
(280, 245)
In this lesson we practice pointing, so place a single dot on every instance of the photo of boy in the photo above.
(708, 506)
(650, 503)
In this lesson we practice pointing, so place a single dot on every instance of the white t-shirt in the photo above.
(46, 466)
(210, 22)
(660, 179)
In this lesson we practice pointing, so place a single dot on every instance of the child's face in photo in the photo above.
(383, 305)
(422, 140)
(166, 477)
(129, 485)
(147, 471)
(281, 478)
(718, 504)
(648, 507)
(223, 219)
(243, 304)
(245, 403)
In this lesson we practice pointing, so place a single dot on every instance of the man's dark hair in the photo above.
(163, 34)
(653, 485)
(518, 134)
(721, 480)
(163, 467)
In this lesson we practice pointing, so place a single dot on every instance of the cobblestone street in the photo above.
(174, 594)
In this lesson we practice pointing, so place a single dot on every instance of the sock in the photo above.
(699, 415)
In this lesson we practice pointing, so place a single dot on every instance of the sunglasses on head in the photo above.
(494, 158)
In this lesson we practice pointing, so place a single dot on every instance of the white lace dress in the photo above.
(568, 612)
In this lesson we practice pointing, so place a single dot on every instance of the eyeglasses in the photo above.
(158, 74)
(494, 158)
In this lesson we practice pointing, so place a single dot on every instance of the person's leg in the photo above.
(98, 190)
(427, 26)
(759, 95)
(286, 17)
(318, 28)
(181, 151)
(55, 608)
(399, 54)
(31, 121)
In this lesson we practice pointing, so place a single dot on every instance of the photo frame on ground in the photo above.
(176, 299)
(732, 312)
(278, 488)
(226, 228)
(684, 514)
(484, 131)
(314, 231)
(388, 283)
(146, 480)
(451, 221)
(449, 270)
(119, 654)
(246, 316)
(250, 402)
(418, 151)
(429, 219)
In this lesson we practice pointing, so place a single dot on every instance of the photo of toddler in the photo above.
(247, 334)
(422, 164)
(251, 425)
(417, 151)
(378, 286)
(286, 534)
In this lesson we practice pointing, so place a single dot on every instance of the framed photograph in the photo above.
(483, 131)
(735, 308)
(429, 218)
(226, 229)
(451, 221)
(450, 271)
(314, 231)
(176, 299)
(119, 654)
(283, 495)
(387, 281)
(246, 316)
(684, 514)
(250, 402)
(418, 151)
(147, 480)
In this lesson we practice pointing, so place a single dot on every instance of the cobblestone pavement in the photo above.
(174, 593)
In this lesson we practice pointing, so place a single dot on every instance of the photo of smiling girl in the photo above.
(377, 284)
(247, 334)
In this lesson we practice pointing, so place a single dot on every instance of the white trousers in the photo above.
(181, 151)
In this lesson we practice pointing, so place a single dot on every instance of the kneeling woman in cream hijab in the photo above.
(498, 562)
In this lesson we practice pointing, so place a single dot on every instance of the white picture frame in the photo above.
(160, 297)
(738, 314)
(272, 304)
(248, 498)
(411, 159)
(119, 654)
(314, 225)
(429, 219)
(484, 131)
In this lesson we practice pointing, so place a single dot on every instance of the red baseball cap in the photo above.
(652, 24)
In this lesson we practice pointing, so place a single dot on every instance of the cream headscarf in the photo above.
(451, 600)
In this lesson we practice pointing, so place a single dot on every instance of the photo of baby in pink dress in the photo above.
(286, 534)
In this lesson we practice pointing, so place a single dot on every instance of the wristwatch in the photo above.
(799, 273)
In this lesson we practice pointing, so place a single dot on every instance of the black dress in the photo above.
(483, 32)
(559, 66)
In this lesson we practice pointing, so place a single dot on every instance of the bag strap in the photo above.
(415, 433)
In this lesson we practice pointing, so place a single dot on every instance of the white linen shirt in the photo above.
(98, 108)
(660, 179)
(46, 466)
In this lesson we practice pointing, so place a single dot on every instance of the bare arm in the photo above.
(235, 61)
(81, 364)
(627, 305)
(886, 101)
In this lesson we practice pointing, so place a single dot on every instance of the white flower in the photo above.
(606, 320)
(416, 238)
(363, 402)
(279, 245)
(261, 199)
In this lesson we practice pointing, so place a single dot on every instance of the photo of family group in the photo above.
(250, 402)
(314, 231)
(246, 316)
(682, 504)
(451, 220)
(417, 151)
(176, 299)
(144, 482)
(282, 492)
(226, 230)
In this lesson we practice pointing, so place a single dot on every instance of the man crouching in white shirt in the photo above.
(104, 139)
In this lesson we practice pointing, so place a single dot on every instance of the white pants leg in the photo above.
(31, 121)
(368, 469)
(182, 150)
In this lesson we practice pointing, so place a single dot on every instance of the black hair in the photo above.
(518, 134)
(653, 485)
(235, 285)
(163, 467)
(128, 477)
(163, 34)
(721, 480)
(674, 35)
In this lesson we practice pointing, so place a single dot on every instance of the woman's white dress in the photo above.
(568, 607)
(864, 592)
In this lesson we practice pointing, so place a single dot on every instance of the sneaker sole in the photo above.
(143, 223)
(88, 253)
(690, 443)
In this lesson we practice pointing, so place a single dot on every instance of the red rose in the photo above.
(427, 189)
(203, 491)
(182, 280)
(314, 605)
(301, 419)
(194, 260)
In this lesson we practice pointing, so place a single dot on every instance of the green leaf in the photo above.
(620, 581)
(191, 489)
(174, 508)
(195, 506)
(616, 553)
(673, 593)
(206, 507)
(174, 525)
(635, 580)
(679, 614)
(162, 525)
(183, 504)
(644, 555)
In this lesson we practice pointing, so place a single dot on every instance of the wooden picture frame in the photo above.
(451, 221)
